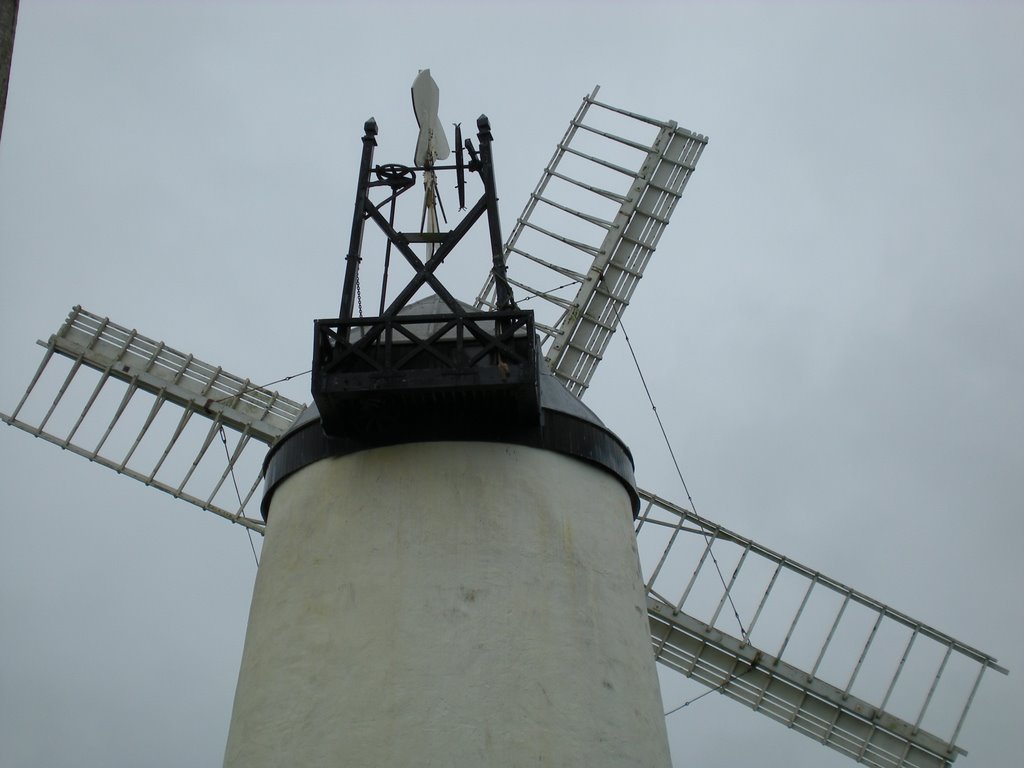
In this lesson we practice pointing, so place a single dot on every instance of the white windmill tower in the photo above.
(711, 595)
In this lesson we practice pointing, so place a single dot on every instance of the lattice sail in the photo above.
(590, 227)
(83, 398)
(840, 667)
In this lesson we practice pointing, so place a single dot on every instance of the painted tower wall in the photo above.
(448, 604)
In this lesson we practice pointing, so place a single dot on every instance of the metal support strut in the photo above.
(355, 242)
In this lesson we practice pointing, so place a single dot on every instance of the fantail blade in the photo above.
(432, 144)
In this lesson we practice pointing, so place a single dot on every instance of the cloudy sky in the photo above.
(831, 326)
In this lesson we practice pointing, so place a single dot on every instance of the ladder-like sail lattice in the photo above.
(107, 366)
(838, 666)
(590, 227)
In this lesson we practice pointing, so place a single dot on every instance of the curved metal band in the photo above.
(559, 432)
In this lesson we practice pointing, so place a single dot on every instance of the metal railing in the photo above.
(403, 343)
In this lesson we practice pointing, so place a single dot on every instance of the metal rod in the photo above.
(664, 555)
(548, 297)
(60, 393)
(142, 432)
(642, 517)
(117, 415)
(588, 249)
(355, 242)
(831, 632)
(252, 490)
(590, 187)
(387, 252)
(764, 599)
(185, 416)
(104, 377)
(503, 292)
(899, 669)
(967, 705)
(75, 366)
(572, 274)
(35, 379)
(864, 653)
(728, 588)
(589, 218)
(634, 115)
(214, 427)
(934, 685)
(796, 618)
(71, 374)
(709, 542)
(597, 160)
(209, 435)
(243, 440)
(620, 139)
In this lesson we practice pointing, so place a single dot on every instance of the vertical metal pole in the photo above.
(355, 243)
(504, 293)
(8, 23)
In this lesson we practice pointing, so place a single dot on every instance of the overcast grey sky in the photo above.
(831, 325)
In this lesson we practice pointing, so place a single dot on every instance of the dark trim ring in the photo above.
(559, 432)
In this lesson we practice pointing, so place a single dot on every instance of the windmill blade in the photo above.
(105, 365)
(591, 226)
(800, 647)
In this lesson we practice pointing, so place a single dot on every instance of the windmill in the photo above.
(586, 303)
